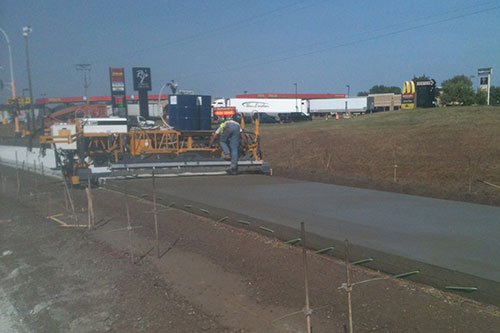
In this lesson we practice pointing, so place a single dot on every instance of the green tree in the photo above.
(422, 77)
(481, 97)
(363, 93)
(494, 95)
(458, 90)
(381, 89)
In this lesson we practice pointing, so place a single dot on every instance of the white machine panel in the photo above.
(104, 125)
(65, 130)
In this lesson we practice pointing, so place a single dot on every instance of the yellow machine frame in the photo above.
(144, 142)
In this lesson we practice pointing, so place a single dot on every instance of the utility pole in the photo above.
(85, 69)
(348, 90)
(26, 32)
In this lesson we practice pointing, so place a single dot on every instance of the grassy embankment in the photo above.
(439, 152)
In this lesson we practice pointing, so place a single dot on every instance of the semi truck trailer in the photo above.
(355, 105)
(276, 109)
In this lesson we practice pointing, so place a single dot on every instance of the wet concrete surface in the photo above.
(458, 236)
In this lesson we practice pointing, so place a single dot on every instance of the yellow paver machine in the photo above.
(103, 148)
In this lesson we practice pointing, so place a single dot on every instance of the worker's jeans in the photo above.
(231, 138)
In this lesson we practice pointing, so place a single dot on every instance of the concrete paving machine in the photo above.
(103, 148)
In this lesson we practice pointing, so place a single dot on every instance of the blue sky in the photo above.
(223, 48)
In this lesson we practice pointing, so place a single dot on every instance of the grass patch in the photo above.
(440, 152)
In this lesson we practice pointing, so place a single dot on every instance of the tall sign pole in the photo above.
(118, 94)
(142, 83)
(485, 80)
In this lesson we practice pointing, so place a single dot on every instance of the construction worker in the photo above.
(230, 135)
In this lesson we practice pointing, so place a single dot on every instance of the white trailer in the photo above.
(279, 108)
(340, 105)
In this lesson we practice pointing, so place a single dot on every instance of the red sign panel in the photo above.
(224, 111)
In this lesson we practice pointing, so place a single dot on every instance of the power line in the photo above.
(350, 43)
(363, 33)
(250, 21)
(230, 27)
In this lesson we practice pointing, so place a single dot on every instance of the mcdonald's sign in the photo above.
(408, 95)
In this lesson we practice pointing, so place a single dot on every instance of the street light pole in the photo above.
(26, 32)
(348, 90)
(12, 84)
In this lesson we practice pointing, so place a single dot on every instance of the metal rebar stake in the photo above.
(307, 310)
(43, 173)
(129, 224)
(49, 206)
(348, 284)
(75, 217)
(88, 208)
(34, 174)
(18, 178)
(65, 196)
(156, 217)
(91, 204)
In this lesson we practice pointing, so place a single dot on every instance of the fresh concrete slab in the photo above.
(455, 235)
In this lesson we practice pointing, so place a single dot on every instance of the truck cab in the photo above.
(219, 103)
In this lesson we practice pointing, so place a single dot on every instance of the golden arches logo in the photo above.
(409, 87)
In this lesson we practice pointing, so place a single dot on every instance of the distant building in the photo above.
(386, 102)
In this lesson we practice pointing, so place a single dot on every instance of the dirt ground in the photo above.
(210, 277)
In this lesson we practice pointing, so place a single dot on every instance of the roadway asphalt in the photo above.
(459, 236)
